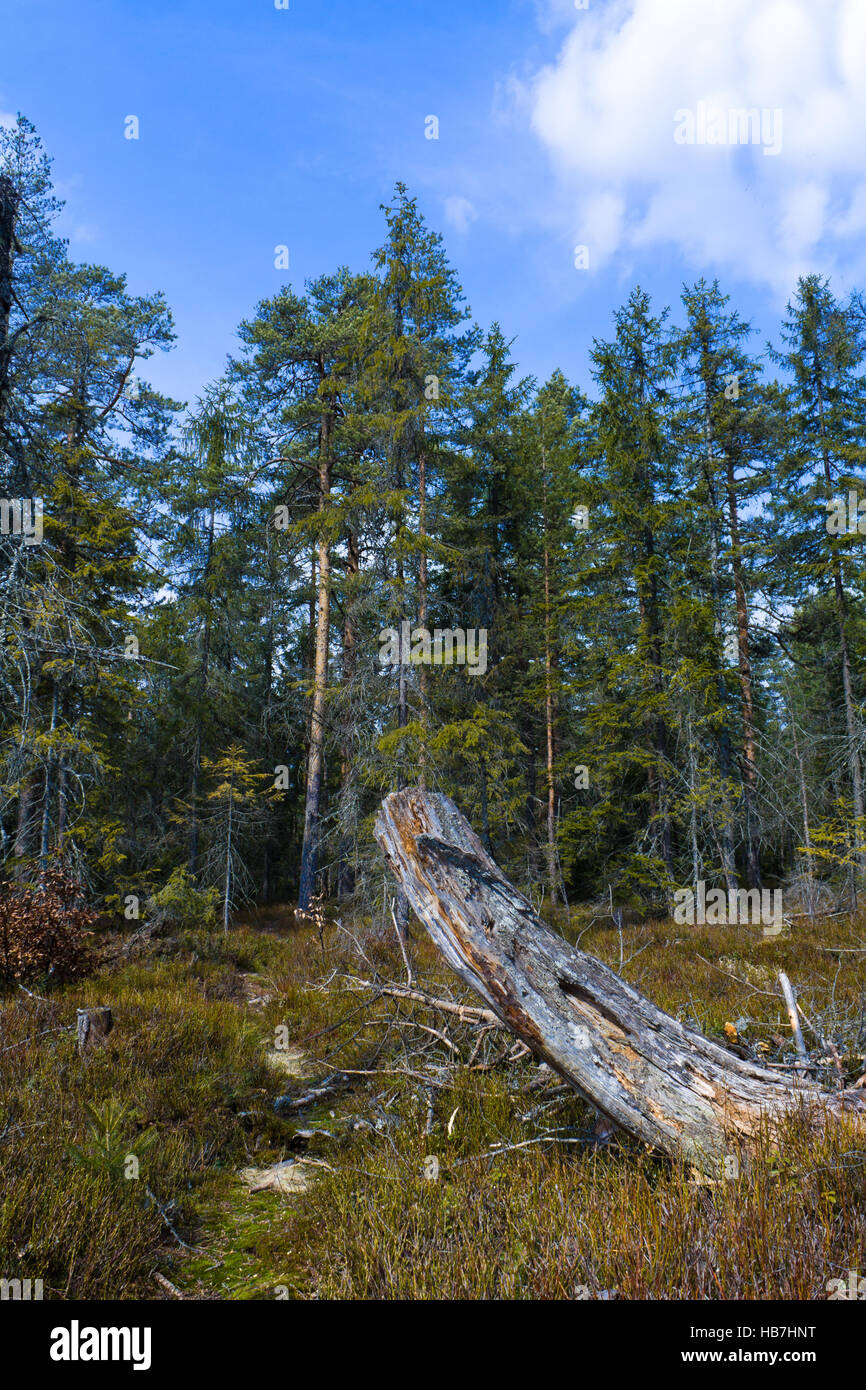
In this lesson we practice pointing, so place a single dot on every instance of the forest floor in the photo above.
(440, 1159)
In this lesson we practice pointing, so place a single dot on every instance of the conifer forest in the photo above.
(432, 810)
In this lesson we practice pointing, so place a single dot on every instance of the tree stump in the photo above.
(93, 1025)
(649, 1074)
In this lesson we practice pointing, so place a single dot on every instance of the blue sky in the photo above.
(261, 127)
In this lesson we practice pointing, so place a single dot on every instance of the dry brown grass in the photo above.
(559, 1217)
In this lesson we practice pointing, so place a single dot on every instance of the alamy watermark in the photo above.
(732, 125)
(716, 908)
(852, 1288)
(450, 646)
(77, 1343)
(22, 516)
(842, 521)
(21, 1290)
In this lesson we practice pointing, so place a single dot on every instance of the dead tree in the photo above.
(646, 1072)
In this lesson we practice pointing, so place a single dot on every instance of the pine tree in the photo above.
(413, 368)
(824, 350)
(557, 423)
(725, 412)
(490, 487)
(96, 453)
(310, 349)
(632, 419)
(238, 807)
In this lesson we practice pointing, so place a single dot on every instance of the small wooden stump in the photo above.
(93, 1025)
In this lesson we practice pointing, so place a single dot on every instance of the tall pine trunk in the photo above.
(315, 763)
(48, 796)
(422, 603)
(549, 710)
(346, 868)
(200, 699)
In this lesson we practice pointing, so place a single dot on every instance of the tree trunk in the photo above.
(93, 1025)
(723, 738)
(200, 698)
(62, 802)
(348, 806)
(25, 832)
(485, 806)
(645, 1071)
(847, 683)
(401, 905)
(693, 816)
(744, 662)
(48, 795)
(656, 778)
(804, 802)
(315, 764)
(227, 895)
(9, 203)
(422, 605)
(549, 707)
(309, 855)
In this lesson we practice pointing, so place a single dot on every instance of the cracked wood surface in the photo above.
(648, 1073)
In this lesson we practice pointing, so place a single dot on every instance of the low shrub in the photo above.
(43, 929)
(180, 904)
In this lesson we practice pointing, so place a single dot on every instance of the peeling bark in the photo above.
(646, 1072)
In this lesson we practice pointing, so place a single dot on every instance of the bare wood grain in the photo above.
(648, 1073)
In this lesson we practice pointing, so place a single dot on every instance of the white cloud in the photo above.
(85, 232)
(853, 223)
(604, 112)
(554, 14)
(601, 224)
(459, 212)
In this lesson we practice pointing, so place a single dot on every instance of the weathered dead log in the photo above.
(648, 1073)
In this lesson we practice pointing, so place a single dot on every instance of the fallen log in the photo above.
(649, 1074)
